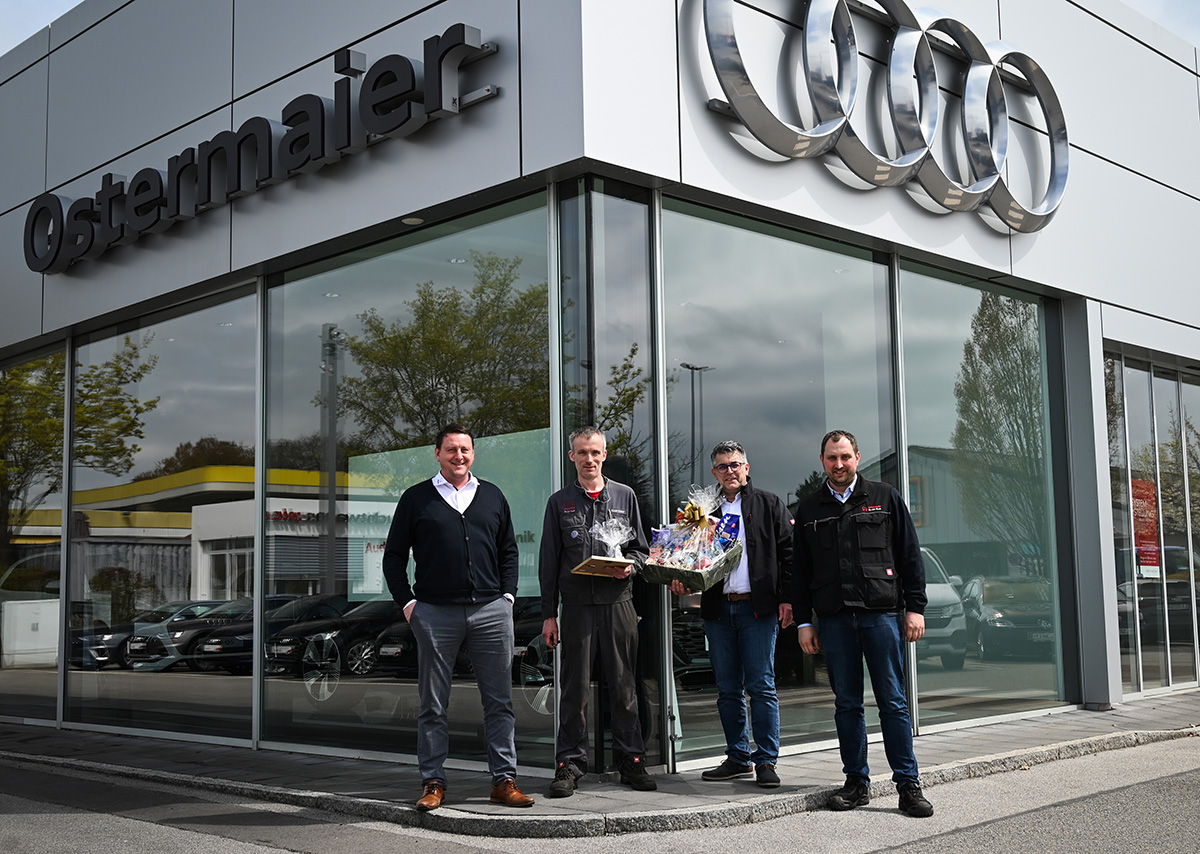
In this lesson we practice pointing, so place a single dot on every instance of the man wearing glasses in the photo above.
(742, 617)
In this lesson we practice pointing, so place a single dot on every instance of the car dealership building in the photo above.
(255, 253)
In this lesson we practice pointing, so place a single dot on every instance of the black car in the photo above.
(177, 641)
(231, 646)
(1010, 615)
(396, 648)
(323, 650)
(94, 648)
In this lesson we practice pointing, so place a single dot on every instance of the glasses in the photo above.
(728, 467)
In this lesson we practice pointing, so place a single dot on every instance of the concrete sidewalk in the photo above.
(385, 791)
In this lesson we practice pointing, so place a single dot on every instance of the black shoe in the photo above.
(855, 793)
(913, 803)
(767, 778)
(727, 770)
(633, 771)
(566, 780)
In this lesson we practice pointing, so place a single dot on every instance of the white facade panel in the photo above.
(630, 86)
(1130, 105)
(1154, 333)
(23, 136)
(719, 155)
(445, 159)
(142, 72)
(1118, 238)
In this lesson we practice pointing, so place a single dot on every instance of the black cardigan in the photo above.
(460, 558)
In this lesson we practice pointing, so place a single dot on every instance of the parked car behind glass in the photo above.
(176, 642)
(1010, 615)
(945, 624)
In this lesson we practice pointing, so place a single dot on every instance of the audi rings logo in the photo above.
(831, 73)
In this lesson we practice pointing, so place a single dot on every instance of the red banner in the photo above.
(1145, 527)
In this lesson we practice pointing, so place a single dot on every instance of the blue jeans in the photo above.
(741, 647)
(846, 639)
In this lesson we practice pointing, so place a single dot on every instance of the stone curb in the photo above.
(750, 811)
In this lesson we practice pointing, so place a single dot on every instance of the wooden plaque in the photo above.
(601, 565)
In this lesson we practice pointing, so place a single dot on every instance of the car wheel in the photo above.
(321, 668)
(985, 654)
(361, 658)
(121, 656)
(954, 660)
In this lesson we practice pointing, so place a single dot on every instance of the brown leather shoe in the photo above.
(508, 794)
(431, 798)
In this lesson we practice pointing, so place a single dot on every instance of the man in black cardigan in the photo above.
(459, 531)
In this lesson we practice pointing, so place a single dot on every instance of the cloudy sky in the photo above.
(19, 19)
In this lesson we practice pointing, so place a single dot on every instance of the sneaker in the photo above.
(855, 793)
(727, 770)
(913, 802)
(566, 781)
(766, 776)
(633, 771)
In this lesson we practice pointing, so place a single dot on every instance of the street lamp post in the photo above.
(696, 369)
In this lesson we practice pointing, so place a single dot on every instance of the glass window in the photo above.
(1174, 577)
(162, 463)
(1190, 393)
(31, 438)
(1146, 590)
(772, 339)
(979, 448)
(1122, 516)
(369, 355)
(606, 350)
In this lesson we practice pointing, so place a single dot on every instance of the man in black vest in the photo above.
(598, 619)
(858, 567)
(460, 533)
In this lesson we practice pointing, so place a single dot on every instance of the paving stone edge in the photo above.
(449, 820)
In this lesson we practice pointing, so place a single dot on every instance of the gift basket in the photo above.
(699, 550)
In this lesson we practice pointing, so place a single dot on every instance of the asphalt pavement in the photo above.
(384, 791)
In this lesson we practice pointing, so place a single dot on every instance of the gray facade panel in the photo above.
(443, 160)
(21, 318)
(25, 54)
(164, 65)
(274, 38)
(156, 264)
(23, 138)
(552, 126)
(1133, 87)
(87, 14)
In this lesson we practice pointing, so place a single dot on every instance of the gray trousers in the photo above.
(584, 630)
(487, 633)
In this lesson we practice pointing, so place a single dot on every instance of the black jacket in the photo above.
(461, 558)
(768, 527)
(567, 542)
(862, 554)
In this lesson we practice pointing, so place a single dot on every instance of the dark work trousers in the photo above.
(612, 631)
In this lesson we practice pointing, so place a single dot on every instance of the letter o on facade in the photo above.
(44, 230)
